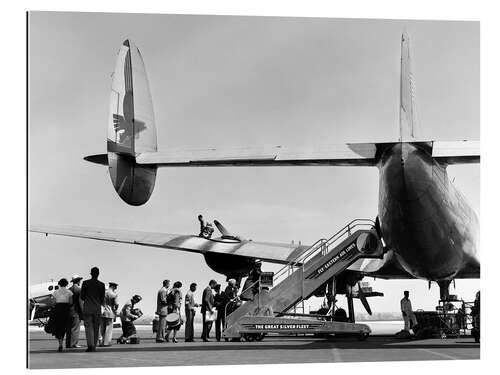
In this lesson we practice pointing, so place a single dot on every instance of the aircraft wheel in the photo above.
(249, 337)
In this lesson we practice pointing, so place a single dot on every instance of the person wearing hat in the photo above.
(190, 306)
(109, 310)
(92, 295)
(75, 312)
(127, 318)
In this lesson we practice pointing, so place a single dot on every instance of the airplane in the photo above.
(39, 301)
(428, 229)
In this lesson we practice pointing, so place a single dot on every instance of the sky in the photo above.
(226, 81)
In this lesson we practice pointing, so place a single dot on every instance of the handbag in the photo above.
(210, 316)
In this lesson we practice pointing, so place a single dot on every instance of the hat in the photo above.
(76, 278)
(113, 284)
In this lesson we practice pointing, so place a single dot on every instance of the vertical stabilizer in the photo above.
(407, 112)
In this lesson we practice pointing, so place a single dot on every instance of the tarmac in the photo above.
(380, 346)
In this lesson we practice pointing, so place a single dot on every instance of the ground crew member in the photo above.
(190, 306)
(73, 333)
(206, 229)
(207, 304)
(92, 295)
(161, 310)
(109, 311)
(407, 311)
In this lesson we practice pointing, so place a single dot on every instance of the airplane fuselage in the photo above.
(424, 219)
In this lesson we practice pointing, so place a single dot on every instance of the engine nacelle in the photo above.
(233, 266)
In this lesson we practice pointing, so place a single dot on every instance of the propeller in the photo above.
(364, 300)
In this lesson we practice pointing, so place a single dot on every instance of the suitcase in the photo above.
(135, 340)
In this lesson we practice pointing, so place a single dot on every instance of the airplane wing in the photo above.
(266, 251)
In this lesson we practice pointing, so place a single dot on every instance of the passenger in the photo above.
(219, 304)
(252, 283)
(60, 318)
(230, 294)
(174, 300)
(75, 312)
(92, 295)
(127, 318)
(407, 311)
(161, 310)
(109, 312)
(190, 306)
(207, 305)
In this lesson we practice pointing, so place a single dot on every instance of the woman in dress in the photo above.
(174, 300)
(60, 319)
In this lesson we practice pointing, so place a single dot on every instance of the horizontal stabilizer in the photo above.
(456, 152)
(97, 159)
(362, 154)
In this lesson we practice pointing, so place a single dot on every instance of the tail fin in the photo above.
(407, 111)
(131, 127)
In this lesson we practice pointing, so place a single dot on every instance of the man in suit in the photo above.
(92, 295)
(75, 311)
(161, 310)
(207, 304)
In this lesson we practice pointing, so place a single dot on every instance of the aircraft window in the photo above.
(56, 287)
(51, 287)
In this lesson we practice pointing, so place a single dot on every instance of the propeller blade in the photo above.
(364, 300)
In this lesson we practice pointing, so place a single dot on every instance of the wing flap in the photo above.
(266, 251)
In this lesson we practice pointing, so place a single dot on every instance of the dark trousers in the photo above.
(91, 322)
(189, 335)
(73, 332)
(207, 326)
(219, 324)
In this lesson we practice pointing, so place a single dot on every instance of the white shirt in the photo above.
(62, 295)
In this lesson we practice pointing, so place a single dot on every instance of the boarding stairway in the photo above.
(300, 278)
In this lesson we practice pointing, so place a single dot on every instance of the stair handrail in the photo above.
(302, 258)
